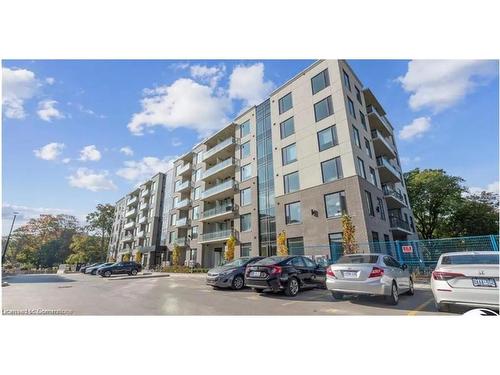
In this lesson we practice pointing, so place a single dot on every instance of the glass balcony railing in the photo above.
(128, 238)
(388, 191)
(181, 241)
(183, 169)
(371, 109)
(215, 236)
(218, 167)
(398, 223)
(183, 203)
(143, 219)
(220, 146)
(145, 193)
(182, 222)
(132, 200)
(377, 135)
(186, 184)
(129, 225)
(229, 184)
(383, 162)
(143, 206)
(217, 210)
(131, 212)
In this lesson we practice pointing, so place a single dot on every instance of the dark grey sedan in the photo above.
(230, 275)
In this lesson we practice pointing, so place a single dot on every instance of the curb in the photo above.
(150, 276)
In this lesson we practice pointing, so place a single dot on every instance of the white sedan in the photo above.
(466, 278)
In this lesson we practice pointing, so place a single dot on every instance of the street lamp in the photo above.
(8, 237)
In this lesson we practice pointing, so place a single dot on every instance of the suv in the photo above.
(130, 268)
(285, 273)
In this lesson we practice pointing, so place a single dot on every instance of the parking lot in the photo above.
(183, 294)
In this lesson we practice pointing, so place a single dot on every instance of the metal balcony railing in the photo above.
(217, 210)
(388, 191)
(399, 223)
(220, 146)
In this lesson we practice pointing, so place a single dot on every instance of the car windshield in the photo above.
(237, 262)
(270, 260)
(471, 259)
(349, 259)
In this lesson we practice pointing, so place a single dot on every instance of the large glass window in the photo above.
(196, 213)
(335, 204)
(358, 95)
(331, 169)
(196, 193)
(197, 175)
(287, 128)
(351, 107)
(355, 133)
(291, 182)
(289, 154)
(320, 81)
(368, 148)
(246, 172)
(245, 150)
(369, 203)
(295, 246)
(363, 119)
(246, 196)
(245, 249)
(194, 232)
(292, 213)
(323, 109)
(173, 219)
(245, 129)
(285, 103)
(381, 208)
(246, 222)
(361, 168)
(347, 81)
(373, 176)
(327, 138)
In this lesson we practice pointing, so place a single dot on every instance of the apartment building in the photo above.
(138, 222)
(320, 146)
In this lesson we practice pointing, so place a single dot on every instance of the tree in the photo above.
(85, 249)
(176, 255)
(349, 235)
(138, 256)
(282, 249)
(101, 222)
(433, 195)
(229, 253)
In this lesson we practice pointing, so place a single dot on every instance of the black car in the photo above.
(84, 268)
(129, 268)
(285, 273)
(231, 274)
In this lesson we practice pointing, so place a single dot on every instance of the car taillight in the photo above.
(376, 272)
(329, 272)
(275, 269)
(439, 275)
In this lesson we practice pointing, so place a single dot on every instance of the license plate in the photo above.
(254, 274)
(350, 274)
(481, 281)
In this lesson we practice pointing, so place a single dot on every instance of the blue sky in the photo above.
(79, 133)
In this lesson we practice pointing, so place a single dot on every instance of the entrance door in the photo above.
(217, 256)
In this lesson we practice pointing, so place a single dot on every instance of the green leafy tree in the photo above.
(176, 255)
(229, 253)
(349, 235)
(85, 249)
(282, 249)
(433, 195)
(101, 222)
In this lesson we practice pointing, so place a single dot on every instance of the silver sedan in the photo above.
(369, 274)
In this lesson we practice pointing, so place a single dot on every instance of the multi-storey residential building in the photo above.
(138, 222)
(320, 146)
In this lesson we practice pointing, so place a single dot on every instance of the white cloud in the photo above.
(247, 83)
(492, 188)
(406, 160)
(50, 80)
(47, 110)
(90, 153)
(416, 129)
(185, 103)
(85, 178)
(25, 213)
(176, 142)
(127, 151)
(145, 168)
(66, 160)
(206, 74)
(440, 84)
(18, 85)
(50, 151)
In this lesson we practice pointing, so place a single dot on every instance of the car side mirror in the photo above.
(404, 266)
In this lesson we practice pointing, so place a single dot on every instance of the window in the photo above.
(194, 232)
(369, 202)
(245, 150)
(327, 138)
(172, 237)
(196, 193)
(335, 204)
(331, 170)
(196, 213)
(363, 120)
(197, 175)
(245, 129)
(309, 262)
(246, 172)
(355, 132)
(176, 200)
(246, 222)
(285, 103)
(391, 262)
(292, 213)
(350, 104)
(358, 95)
(291, 182)
(289, 154)
(381, 208)
(368, 148)
(361, 168)
(296, 247)
(347, 81)
(373, 176)
(320, 81)
(246, 196)
(173, 219)
(336, 247)
(245, 249)
(287, 128)
(194, 254)
(376, 243)
(323, 109)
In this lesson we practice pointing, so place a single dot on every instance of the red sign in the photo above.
(407, 249)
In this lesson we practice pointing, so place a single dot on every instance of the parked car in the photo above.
(232, 274)
(284, 273)
(129, 268)
(84, 268)
(89, 269)
(467, 279)
(369, 274)
(93, 270)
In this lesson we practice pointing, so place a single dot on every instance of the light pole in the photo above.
(8, 237)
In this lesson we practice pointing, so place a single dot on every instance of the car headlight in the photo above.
(226, 273)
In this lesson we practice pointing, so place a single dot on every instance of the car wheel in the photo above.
(107, 274)
(238, 282)
(337, 295)
(393, 299)
(292, 287)
(443, 307)
(258, 290)
(411, 290)
(134, 272)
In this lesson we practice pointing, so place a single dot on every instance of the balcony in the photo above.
(182, 222)
(143, 219)
(183, 186)
(131, 213)
(132, 200)
(222, 190)
(388, 172)
(145, 249)
(222, 235)
(145, 193)
(129, 225)
(140, 234)
(220, 212)
(220, 170)
(181, 241)
(214, 151)
(182, 170)
(185, 203)
(378, 121)
(393, 197)
(128, 238)
(143, 206)
(399, 225)
(382, 145)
